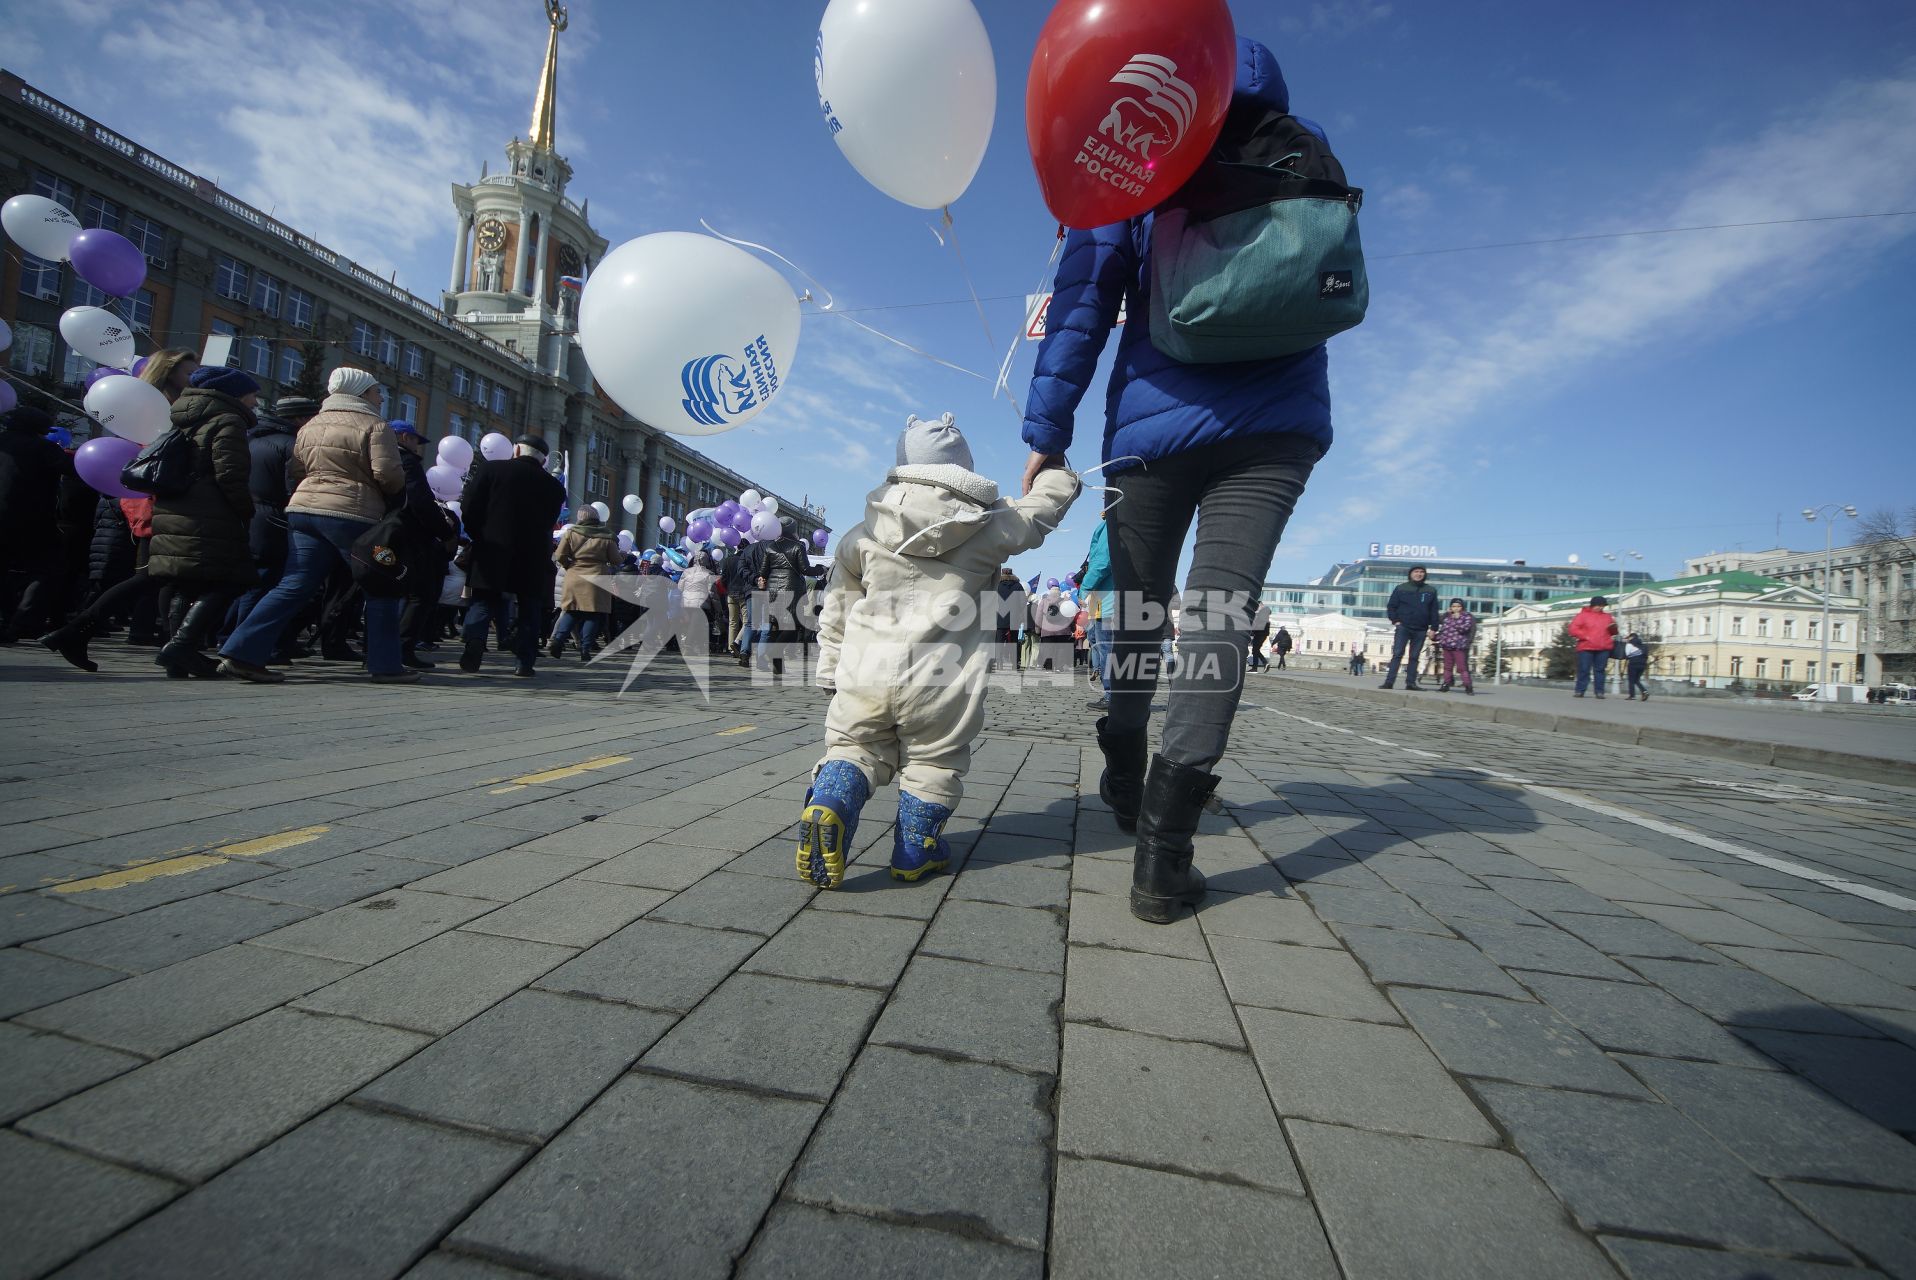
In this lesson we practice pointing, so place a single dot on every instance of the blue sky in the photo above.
(1670, 394)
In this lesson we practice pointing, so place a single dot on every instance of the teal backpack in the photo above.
(1257, 256)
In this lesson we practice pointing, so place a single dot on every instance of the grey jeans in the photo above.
(1242, 492)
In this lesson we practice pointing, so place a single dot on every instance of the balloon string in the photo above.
(965, 272)
(1031, 313)
(41, 391)
(830, 302)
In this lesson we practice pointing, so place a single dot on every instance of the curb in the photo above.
(1841, 764)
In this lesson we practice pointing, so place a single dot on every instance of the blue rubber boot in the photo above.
(830, 820)
(918, 845)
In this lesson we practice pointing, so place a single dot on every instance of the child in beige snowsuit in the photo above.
(904, 641)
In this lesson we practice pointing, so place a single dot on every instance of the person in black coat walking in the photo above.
(31, 469)
(430, 540)
(509, 510)
(1283, 644)
(1413, 607)
(270, 446)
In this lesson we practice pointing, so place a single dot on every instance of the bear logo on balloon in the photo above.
(721, 387)
(1165, 114)
(818, 74)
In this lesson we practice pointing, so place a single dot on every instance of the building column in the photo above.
(539, 258)
(576, 468)
(519, 251)
(651, 491)
(459, 260)
(634, 478)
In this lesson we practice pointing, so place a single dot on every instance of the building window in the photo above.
(82, 294)
(292, 363)
(39, 278)
(1836, 673)
(258, 359)
(32, 347)
(75, 368)
(265, 293)
(226, 328)
(58, 190)
(1809, 670)
(409, 408)
(230, 278)
(299, 308)
(1789, 628)
(1816, 629)
(138, 310)
(363, 339)
(461, 381)
(98, 211)
(456, 425)
(1763, 627)
(1736, 668)
(147, 235)
(480, 389)
(388, 347)
(415, 366)
(499, 400)
(1762, 668)
(1736, 624)
(1836, 633)
(1786, 665)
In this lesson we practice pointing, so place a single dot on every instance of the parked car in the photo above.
(1833, 693)
(1898, 695)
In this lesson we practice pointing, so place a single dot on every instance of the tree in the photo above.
(311, 381)
(1488, 667)
(1560, 659)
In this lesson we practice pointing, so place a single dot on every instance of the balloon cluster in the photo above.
(104, 259)
(750, 517)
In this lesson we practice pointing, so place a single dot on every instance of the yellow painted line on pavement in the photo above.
(140, 870)
(140, 874)
(570, 770)
(729, 733)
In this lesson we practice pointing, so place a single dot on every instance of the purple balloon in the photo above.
(139, 366)
(742, 521)
(729, 536)
(698, 530)
(1052, 582)
(104, 371)
(108, 261)
(8, 397)
(725, 512)
(820, 538)
(100, 461)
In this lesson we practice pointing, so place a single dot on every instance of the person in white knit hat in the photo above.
(901, 643)
(343, 474)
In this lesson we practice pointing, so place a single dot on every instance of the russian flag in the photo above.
(571, 282)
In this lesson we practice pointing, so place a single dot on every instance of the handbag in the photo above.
(164, 469)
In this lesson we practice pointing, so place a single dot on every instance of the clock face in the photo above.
(492, 235)
(570, 263)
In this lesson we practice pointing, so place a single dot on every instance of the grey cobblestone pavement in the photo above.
(490, 978)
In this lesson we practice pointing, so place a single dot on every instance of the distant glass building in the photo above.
(1361, 588)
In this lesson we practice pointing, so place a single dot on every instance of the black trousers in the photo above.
(1241, 493)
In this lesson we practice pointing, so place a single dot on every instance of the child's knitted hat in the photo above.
(926, 444)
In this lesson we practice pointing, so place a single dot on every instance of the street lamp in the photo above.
(1621, 557)
(1503, 581)
(1830, 511)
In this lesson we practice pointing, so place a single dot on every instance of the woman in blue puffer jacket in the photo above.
(1232, 444)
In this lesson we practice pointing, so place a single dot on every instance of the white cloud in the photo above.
(1432, 360)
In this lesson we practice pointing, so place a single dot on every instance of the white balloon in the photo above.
(454, 507)
(909, 91)
(443, 479)
(632, 503)
(626, 540)
(6, 336)
(688, 333)
(718, 554)
(605, 512)
(1067, 609)
(44, 228)
(769, 506)
(750, 499)
(130, 408)
(99, 335)
(495, 447)
(455, 453)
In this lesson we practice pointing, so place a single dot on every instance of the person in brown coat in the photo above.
(588, 553)
(345, 474)
(200, 536)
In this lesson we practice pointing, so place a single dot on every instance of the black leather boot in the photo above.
(70, 643)
(1162, 877)
(1122, 784)
(181, 655)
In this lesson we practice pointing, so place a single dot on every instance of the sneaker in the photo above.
(918, 847)
(1098, 704)
(247, 671)
(829, 821)
(395, 677)
(524, 671)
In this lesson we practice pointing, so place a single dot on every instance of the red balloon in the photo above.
(1124, 101)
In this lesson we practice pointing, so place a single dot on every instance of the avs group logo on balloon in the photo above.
(1140, 131)
(719, 388)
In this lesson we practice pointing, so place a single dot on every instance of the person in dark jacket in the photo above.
(429, 547)
(200, 536)
(1636, 660)
(780, 570)
(270, 445)
(509, 509)
(1282, 644)
(1232, 444)
(110, 551)
(31, 469)
(1012, 604)
(1413, 608)
(737, 575)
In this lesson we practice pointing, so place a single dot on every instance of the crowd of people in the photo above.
(306, 530)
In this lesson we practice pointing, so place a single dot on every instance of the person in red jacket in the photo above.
(1595, 632)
